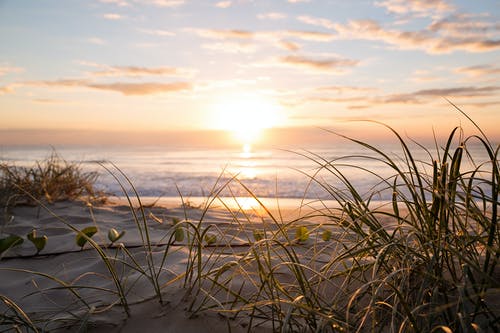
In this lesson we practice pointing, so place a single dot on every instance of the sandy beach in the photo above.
(89, 295)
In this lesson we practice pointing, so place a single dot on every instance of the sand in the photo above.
(42, 299)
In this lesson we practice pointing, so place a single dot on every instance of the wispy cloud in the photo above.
(162, 3)
(271, 16)
(138, 71)
(268, 36)
(113, 16)
(230, 47)
(290, 46)
(96, 40)
(440, 37)
(346, 89)
(479, 70)
(222, 34)
(120, 3)
(134, 71)
(6, 89)
(298, 1)
(5, 69)
(144, 88)
(317, 21)
(126, 88)
(223, 4)
(330, 64)
(157, 32)
(416, 7)
(415, 97)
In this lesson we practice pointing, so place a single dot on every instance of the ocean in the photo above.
(163, 171)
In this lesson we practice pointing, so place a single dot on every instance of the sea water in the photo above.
(163, 171)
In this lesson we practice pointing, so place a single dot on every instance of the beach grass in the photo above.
(424, 261)
(52, 179)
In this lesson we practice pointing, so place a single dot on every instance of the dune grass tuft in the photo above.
(52, 179)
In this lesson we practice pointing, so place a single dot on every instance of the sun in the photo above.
(246, 115)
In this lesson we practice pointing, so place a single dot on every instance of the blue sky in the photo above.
(243, 65)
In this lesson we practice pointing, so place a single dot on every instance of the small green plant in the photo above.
(210, 238)
(9, 242)
(38, 242)
(83, 235)
(114, 235)
(326, 235)
(259, 234)
(301, 234)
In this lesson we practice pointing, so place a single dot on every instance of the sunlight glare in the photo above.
(246, 116)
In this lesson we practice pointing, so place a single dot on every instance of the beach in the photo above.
(73, 282)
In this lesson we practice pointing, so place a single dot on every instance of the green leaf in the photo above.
(39, 242)
(210, 239)
(80, 237)
(258, 235)
(10, 241)
(326, 235)
(302, 234)
(179, 234)
(114, 235)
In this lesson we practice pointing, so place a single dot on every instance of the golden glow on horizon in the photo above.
(246, 115)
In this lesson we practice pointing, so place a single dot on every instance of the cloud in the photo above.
(416, 97)
(290, 46)
(222, 34)
(6, 89)
(6, 69)
(271, 16)
(267, 36)
(321, 22)
(230, 47)
(145, 88)
(298, 1)
(479, 70)
(162, 3)
(157, 32)
(47, 101)
(113, 16)
(120, 3)
(437, 38)
(223, 4)
(96, 40)
(423, 76)
(416, 7)
(135, 71)
(346, 89)
(459, 91)
(126, 88)
(330, 64)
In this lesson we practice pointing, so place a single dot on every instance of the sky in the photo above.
(112, 70)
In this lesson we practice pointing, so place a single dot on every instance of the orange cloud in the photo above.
(440, 37)
(129, 89)
(5, 69)
(479, 70)
(126, 88)
(135, 71)
(223, 4)
(318, 64)
(271, 16)
(417, 7)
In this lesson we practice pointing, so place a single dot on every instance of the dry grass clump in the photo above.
(49, 180)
